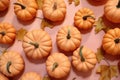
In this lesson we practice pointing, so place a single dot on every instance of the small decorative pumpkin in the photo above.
(111, 42)
(25, 9)
(2, 77)
(54, 10)
(68, 38)
(11, 63)
(4, 4)
(84, 19)
(31, 76)
(37, 44)
(84, 59)
(58, 65)
(112, 10)
(7, 33)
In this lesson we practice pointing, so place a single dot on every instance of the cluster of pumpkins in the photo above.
(37, 44)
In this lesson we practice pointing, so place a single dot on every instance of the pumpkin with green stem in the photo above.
(37, 44)
(58, 65)
(11, 63)
(25, 9)
(4, 4)
(84, 59)
(84, 19)
(111, 42)
(2, 77)
(68, 38)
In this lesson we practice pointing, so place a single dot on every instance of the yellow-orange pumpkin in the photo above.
(4, 4)
(2, 77)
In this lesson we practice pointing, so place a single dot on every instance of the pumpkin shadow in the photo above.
(97, 2)
(3, 13)
(64, 78)
(85, 31)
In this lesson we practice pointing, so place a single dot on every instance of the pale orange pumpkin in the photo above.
(25, 9)
(31, 76)
(54, 10)
(84, 19)
(111, 42)
(58, 65)
(84, 59)
(68, 38)
(2, 77)
(112, 10)
(4, 4)
(37, 44)
(7, 33)
(11, 63)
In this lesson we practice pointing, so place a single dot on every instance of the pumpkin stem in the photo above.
(81, 54)
(118, 6)
(117, 40)
(36, 45)
(22, 6)
(55, 6)
(55, 65)
(68, 34)
(8, 66)
(2, 33)
(85, 17)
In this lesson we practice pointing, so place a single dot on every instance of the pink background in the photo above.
(89, 39)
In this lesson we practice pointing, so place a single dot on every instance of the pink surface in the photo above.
(90, 39)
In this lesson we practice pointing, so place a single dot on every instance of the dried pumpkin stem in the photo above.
(106, 61)
(36, 45)
(2, 33)
(118, 6)
(68, 34)
(55, 6)
(81, 54)
(117, 40)
(85, 17)
(22, 6)
(8, 66)
(55, 65)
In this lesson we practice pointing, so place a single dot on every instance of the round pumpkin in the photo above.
(58, 65)
(84, 19)
(84, 59)
(111, 42)
(25, 9)
(31, 76)
(11, 63)
(54, 10)
(4, 4)
(2, 77)
(37, 44)
(112, 10)
(7, 33)
(68, 38)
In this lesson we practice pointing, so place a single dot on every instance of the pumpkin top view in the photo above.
(54, 10)
(4, 4)
(25, 9)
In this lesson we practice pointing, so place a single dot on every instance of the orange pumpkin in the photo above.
(25, 9)
(37, 44)
(68, 38)
(4, 4)
(2, 77)
(111, 42)
(58, 65)
(11, 63)
(54, 10)
(84, 59)
(31, 76)
(112, 10)
(7, 33)
(84, 19)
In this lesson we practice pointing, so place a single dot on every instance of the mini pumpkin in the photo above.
(111, 42)
(11, 63)
(58, 65)
(2, 77)
(25, 9)
(7, 33)
(37, 44)
(84, 59)
(68, 38)
(112, 10)
(31, 76)
(4, 4)
(54, 10)
(84, 19)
